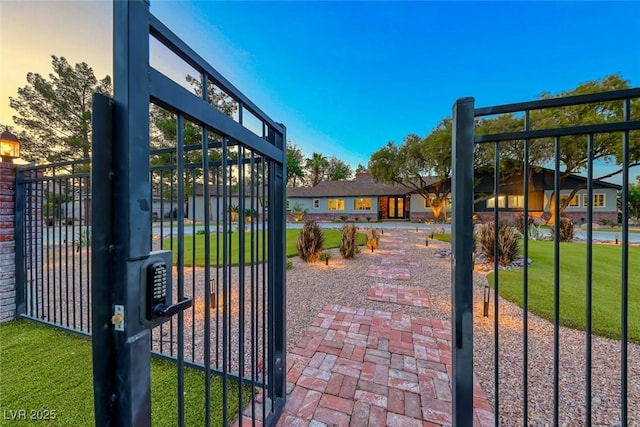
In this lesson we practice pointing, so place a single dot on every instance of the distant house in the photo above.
(541, 183)
(362, 198)
(354, 200)
(195, 209)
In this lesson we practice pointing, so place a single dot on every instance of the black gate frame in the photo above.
(463, 142)
(122, 213)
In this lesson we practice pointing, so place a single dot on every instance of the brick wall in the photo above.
(7, 242)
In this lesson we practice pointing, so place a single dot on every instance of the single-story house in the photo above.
(362, 199)
(540, 193)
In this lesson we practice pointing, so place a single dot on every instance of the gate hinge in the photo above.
(118, 317)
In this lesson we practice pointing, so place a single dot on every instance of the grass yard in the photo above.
(47, 370)
(606, 286)
(194, 246)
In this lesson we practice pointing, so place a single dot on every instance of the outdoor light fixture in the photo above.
(9, 146)
(213, 304)
(616, 238)
(326, 261)
(485, 311)
(426, 241)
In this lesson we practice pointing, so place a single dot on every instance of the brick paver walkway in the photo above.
(358, 367)
(363, 367)
(398, 294)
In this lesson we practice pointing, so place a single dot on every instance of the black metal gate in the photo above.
(515, 395)
(53, 235)
(200, 206)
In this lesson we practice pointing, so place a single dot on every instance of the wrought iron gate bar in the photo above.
(624, 362)
(556, 282)
(164, 35)
(589, 284)
(567, 101)
(173, 97)
(548, 133)
(525, 280)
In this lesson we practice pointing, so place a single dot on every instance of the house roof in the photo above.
(356, 188)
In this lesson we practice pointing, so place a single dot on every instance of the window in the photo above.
(491, 203)
(447, 203)
(362, 204)
(573, 203)
(516, 202)
(336, 204)
(288, 208)
(316, 203)
(598, 200)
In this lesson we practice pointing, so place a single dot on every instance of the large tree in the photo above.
(337, 169)
(54, 113)
(317, 165)
(295, 164)
(419, 164)
(607, 147)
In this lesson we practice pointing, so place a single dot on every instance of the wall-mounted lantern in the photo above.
(9, 146)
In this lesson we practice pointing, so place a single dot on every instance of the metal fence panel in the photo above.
(502, 391)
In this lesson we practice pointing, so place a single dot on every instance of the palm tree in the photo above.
(317, 163)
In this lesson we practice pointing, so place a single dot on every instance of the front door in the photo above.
(395, 208)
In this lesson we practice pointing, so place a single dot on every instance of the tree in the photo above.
(574, 151)
(419, 164)
(634, 202)
(295, 162)
(55, 113)
(337, 170)
(361, 168)
(317, 164)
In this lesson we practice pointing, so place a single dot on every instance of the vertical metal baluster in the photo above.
(496, 281)
(180, 174)
(225, 279)
(525, 282)
(624, 362)
(556, 284)
(241, 275)
(589, 272)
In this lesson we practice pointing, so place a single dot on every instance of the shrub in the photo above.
(343, 218)
(507, 242)
(348, 241)
(373, 238)
(289, 264)
(298, 213)
(566, 230)
(519, 223)
(325, 255)
(310, 241)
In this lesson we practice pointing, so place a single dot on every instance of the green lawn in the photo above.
(44, 369)
(195, 245)
(606, 286)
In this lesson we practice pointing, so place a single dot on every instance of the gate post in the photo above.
(8, 253)
(461, 262)
(122, 228)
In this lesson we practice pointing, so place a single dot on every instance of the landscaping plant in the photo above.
(507, 242)
(310, 241)
(348, 242)
(373, 238)
(566, 230)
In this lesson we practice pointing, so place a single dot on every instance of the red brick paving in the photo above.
(400, 375)
(360, 367)
(397, 294)
(391, 273)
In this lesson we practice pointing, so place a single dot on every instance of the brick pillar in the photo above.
(7, 242)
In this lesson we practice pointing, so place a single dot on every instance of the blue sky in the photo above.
(347, 77)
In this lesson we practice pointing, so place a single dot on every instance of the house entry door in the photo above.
(396, 208)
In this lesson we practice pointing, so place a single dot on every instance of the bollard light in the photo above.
(426, 241)
(487, 293)
(326, 261)
(616, 238)
(212, 296)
